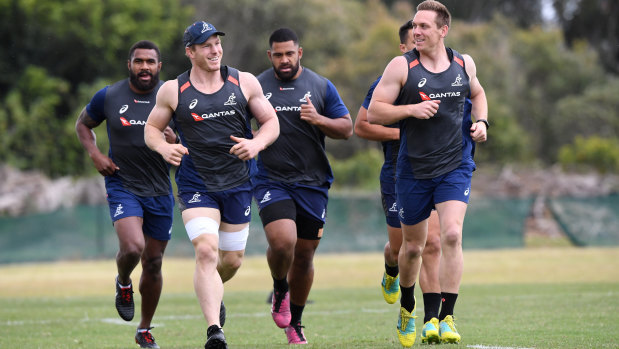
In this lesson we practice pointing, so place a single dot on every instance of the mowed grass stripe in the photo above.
(542, 298)
(543, 265)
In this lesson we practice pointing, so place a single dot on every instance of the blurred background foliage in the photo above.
(549, 68)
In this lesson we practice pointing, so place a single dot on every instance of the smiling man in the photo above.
(425, 91)
(211, 106)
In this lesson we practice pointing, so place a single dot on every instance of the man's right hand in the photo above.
(172, 153)
(104, 165)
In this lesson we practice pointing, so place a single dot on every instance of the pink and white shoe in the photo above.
(295, 334)
(280, 309)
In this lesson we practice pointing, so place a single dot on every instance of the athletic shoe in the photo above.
(406, 327)
(215, 338)
(124, 301)
(145, 339)
(391, 288)
(280, 309)
(429, 333)
(222, 314)
(447, 330)
(295, 334)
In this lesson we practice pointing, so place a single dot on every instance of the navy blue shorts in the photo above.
(156, 211)
(312, 200)
(390, 204)
(233, 204)
(417, 197)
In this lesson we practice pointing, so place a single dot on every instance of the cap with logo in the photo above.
(199, 32)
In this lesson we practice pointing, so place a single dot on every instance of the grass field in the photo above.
(528, 298)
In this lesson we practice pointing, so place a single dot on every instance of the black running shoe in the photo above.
(145, 339)
(124, 301)
(215, 338)
(222, 314)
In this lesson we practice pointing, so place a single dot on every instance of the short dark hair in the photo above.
(404, 29)
(145, 44)
(283, 35)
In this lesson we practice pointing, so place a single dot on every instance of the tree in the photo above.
(597, 21)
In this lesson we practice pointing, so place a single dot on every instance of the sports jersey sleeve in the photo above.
(96, 108)
(368, 98)
(334, 106)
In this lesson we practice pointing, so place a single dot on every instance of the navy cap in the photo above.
(199, 32)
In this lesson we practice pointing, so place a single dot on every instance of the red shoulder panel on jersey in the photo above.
(459, 61)
(413, 64)
(185, 86)
(233, 80)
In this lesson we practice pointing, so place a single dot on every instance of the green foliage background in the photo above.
(544, 91)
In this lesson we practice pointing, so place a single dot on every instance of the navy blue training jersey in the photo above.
(142, 171)
(205, 123)
(298, 155)
(435, 146)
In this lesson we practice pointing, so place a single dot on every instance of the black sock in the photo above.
(431, 304)
(392, 271)
(280, 286)
(407, 301)
(449, 302)
(296, 312)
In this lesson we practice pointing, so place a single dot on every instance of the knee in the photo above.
(282, 246)
(205, 253)
(433, 246)
(304, 258)
(131, 251)
(231, 262)
(152, 264)
(391, 249)
(452, 238)
(412, 250)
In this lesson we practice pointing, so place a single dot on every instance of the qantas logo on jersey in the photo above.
(431, 96)
(287, 108)
(205, 116)
(286, 88)
(231, 100)
(123, 109)
(126, 122)
(139, 101)
(193, 103)
(445, 94)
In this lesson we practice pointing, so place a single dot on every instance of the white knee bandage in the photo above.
(233, 241)
(201, 225)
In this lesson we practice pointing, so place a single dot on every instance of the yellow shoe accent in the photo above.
(429, 333)
(406, 327)
(391, 288)
(447, 330)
